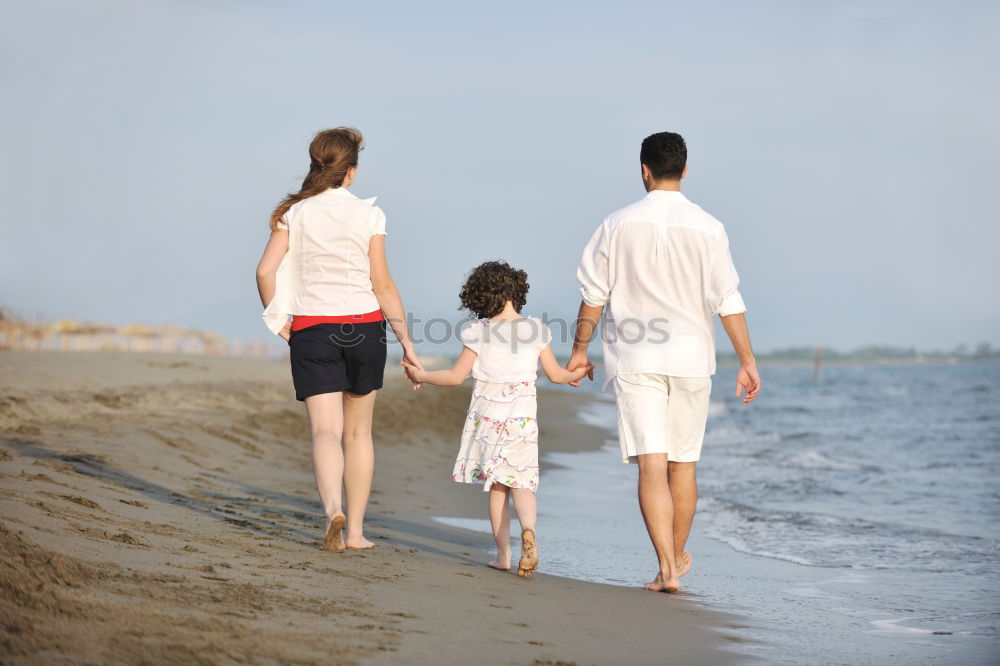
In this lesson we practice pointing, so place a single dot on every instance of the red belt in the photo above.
(305, 321)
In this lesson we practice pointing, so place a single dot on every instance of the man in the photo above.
(660, 269)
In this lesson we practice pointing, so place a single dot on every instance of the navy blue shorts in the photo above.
(327, 358)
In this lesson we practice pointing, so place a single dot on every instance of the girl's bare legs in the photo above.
(527, 512)
(326, 422)
(359, 463)
(500, 521)
(526, 507)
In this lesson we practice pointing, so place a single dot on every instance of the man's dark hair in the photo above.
(665, 153)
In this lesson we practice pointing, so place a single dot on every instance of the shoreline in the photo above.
(161, 507)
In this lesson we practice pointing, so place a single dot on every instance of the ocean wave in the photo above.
(731, 435)
(599, 415)
(830, 541)
(812, 459)
(716, 408)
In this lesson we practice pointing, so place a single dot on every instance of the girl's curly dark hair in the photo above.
(490, 286)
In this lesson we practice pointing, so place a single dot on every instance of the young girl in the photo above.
(500, 438)
(325, 267)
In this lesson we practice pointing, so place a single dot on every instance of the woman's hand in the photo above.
(411, 372)
(411, 363)
(286, 331)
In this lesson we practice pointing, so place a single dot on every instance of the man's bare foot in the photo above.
(358, 543)
(529, 554)
(501, 561)
(663, 584)
(683, 563)
(335, 535)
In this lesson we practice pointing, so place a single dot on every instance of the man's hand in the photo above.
(578, 361)
(748, 382)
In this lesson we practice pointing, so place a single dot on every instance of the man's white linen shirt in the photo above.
(662, 269)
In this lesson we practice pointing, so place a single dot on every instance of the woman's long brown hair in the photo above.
(332, 153)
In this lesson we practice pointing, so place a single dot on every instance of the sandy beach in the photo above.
(161, 508)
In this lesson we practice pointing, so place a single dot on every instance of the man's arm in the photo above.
(747, 379)
(595, 289)
(583, 332)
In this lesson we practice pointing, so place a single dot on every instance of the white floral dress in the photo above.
(500, 437)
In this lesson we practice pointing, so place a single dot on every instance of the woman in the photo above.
(325, 266)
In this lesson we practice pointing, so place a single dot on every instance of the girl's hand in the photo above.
(410, 360)
(286, 331)
(580, 372)
(411, 372)
(576, 362)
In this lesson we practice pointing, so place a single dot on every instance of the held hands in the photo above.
(412, 367)
(580, 365)
(748, 381)
(411, 372)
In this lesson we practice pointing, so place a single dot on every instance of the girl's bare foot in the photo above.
(358, 543)
(501, 562)
(335, 534)
(663, 584)
(683, 563)
(529, 554)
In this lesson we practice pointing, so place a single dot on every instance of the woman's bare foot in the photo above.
(663, 584)
(501, 561)
(683, 563)
(358, 543)
(335, 534)
(529, 554)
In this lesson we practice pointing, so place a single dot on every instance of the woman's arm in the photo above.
(388, 298)
(274, 252)
(558, 375)
(451, 377)
(277, 246)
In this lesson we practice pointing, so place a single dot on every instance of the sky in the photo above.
(848, 147)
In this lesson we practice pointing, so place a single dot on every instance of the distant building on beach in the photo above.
(17, 332)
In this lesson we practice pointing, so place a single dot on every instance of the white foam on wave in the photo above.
(741, 546)
(812, 459)
(732, 435)
(893, 626)
(599, 414)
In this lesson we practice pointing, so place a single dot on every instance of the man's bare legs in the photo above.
(658, 512)
(326, 423)
(359, 464)
(500, 522)
(684, 493)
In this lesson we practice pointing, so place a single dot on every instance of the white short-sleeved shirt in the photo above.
(506, 351)
(326, 270)
(663, 269)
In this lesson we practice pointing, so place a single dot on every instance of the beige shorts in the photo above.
(662, 414)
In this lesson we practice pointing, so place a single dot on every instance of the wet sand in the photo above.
(161, 509)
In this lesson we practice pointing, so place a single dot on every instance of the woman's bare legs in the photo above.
(359, 463)
(500, 521)
(326, 422)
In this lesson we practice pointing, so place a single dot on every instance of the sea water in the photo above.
(850, 518)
